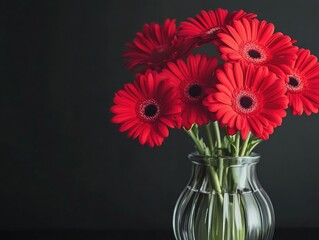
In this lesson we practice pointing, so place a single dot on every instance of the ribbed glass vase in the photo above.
(223, 200)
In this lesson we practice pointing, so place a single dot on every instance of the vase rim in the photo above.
(196, 158)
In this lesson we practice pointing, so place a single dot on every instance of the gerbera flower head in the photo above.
(248, 98)
(254, 41)
(156, 45)
(205, 26)
(303, 84)
(147, 108)
(192, 78)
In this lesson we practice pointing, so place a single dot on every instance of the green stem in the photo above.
(219, 146)
(210, 138)
(237, 144)
(220, 171)
(245, 144)
(234, 181)
(217, 134)
(216, 182)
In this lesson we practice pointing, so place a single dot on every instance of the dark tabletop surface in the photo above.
(280, 234)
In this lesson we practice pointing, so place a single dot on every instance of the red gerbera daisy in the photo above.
(147, 108)
(248, 98)
(156, 45)
(205, 26)
(192, 78)
(303, 85)
(254, 41)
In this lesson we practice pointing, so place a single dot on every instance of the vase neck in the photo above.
(226, 174)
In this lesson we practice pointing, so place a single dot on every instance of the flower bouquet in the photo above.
(227, 104)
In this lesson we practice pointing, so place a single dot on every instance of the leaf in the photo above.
(226, 142)
(252, 145)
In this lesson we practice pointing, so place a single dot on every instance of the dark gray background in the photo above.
(63, 165)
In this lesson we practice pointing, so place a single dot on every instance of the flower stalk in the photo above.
(217, 133)
(245, 144)
(210, 138)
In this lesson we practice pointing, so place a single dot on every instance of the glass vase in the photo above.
(223, 200)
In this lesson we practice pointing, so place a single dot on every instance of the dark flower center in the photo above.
(150, 110)
(195, 91)
(293, 82)
(254, 54)
(296, 83)
(246, 102)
